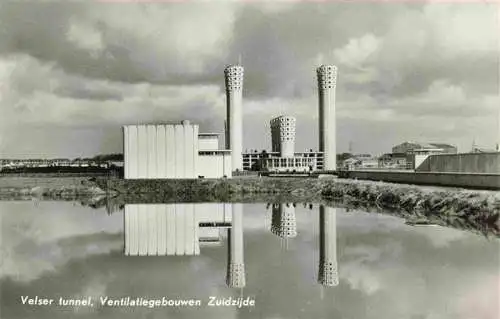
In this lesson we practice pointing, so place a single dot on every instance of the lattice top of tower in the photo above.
(327, 76)
(283, 120)
(234, 77)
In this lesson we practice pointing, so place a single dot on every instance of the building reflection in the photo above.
(183, 229)
(180, 230)
(328, 267)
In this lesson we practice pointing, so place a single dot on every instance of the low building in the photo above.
(392, 160)
(360, 161)
(253, 160)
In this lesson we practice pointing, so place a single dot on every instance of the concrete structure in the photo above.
(406, 147)
(283, 135)
(486, 163)
(417, 156)
(234, 121)
(214, 164)
(327, 81)
(464, 180)
(283, 221)
(289, 164)
(208, 141)
(161, 151)
(173, 151)
(252, 160)
(173, 229)
(235, 275)
(328, 266)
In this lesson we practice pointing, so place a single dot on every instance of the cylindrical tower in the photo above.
(235, 276)
(283, 135)
(328, 272)
(234, 89)
(283, 221)
(327, 81)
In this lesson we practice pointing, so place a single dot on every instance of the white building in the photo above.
(173, 151)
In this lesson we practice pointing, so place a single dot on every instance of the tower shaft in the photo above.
(327, 81)
(234, 122)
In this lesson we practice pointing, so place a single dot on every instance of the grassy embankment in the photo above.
(464, 209)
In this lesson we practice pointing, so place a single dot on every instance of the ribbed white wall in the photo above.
(169, 229)
(170, 156)
(161, 151)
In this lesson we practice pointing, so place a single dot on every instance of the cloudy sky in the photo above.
(72, 74)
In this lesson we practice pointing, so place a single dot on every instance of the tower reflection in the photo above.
(283, 221)
(328, 267)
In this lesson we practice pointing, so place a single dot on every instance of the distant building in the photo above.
(406, 147)
(360, 161)
(392, 160)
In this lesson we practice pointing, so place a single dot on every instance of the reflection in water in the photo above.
(173, 229)
(235, 276)
(283, 222)
(327, 273)
(389, 270)
(180, 229)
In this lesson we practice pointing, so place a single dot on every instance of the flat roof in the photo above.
(214, 151)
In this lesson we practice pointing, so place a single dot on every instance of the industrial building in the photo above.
(283, 144)
(252, 159)
(181, 151)
(173, 151)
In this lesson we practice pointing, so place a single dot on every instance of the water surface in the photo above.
(295, 262)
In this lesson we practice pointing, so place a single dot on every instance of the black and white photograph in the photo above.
(276, 159)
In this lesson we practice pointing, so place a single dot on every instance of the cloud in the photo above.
(68, 67)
